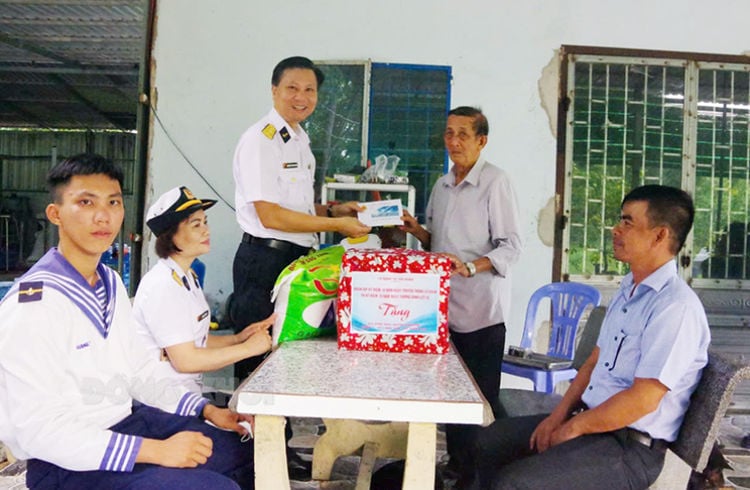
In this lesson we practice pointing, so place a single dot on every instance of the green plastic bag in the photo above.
(304, 293)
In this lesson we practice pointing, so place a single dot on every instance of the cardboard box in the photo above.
(393, 300)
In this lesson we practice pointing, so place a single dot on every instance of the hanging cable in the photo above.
(185, 157)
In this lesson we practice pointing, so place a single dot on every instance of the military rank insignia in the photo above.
(284, 134)
(181, 280)
(195, 278)
(269, 131)
(30, 291)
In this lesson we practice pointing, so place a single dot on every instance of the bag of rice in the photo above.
(304, 293)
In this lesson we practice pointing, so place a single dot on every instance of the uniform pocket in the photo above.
(294, 186)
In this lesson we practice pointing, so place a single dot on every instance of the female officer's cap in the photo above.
(172, 207)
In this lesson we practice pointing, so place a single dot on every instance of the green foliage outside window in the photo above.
(628, 127)
(407, 106)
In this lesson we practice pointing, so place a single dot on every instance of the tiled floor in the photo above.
(344, 474)
(13, 477)
(735, 427)
(306, 432)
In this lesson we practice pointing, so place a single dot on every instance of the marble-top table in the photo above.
(312, 378)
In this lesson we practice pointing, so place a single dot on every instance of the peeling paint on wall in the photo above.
(545, 227)
(548, 85)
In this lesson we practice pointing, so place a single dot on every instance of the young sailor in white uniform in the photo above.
(72, 366)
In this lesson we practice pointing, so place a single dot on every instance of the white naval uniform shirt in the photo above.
(64, 380)
(170, 309)
(274, 163)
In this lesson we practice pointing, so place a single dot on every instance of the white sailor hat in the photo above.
(172, 207)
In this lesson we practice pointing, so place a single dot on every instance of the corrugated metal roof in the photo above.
(70, 63)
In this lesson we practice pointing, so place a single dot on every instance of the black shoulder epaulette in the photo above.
(30, 291)
(195, 278)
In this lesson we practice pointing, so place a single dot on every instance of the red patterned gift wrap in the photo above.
(393, 300)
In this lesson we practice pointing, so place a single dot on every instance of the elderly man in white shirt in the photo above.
(472, 216)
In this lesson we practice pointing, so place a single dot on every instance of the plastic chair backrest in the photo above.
(568, 300)
(200, 270)
(589, 336)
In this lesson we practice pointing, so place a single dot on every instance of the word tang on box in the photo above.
(393, 300)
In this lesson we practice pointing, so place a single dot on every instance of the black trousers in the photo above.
(254, 273)
(610, 460)
(230, 466)
(482, 352)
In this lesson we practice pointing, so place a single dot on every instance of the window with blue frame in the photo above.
(367, 109)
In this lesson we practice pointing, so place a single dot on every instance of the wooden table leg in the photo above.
(270, 453)
(366, 464)
(420, 456)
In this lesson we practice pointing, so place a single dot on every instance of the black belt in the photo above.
(645, 439)
(634, 435)
(281, 245)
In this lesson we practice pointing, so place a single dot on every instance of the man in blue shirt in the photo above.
(628, 400)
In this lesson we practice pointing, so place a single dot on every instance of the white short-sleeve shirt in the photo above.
(170, 309)
(274, 163)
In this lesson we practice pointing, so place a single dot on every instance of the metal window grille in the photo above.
(678, 122)
(722, 174)
(367, 109)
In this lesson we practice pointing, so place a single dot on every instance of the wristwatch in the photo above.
(471, 268)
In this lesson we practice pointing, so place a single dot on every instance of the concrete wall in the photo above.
(214, 59)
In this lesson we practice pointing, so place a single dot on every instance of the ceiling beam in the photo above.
(82, 3)
(68, 63)
(120, 70)
(23, 113)
(60, 63)
(38, 50)
(84, 100)
(68, 20)
(33, 48)
(83, 38)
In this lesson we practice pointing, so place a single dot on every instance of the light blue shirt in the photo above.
(659, 332)
(476, 218)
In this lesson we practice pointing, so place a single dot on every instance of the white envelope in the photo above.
(381, 213)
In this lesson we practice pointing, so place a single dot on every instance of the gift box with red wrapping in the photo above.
(393, 300)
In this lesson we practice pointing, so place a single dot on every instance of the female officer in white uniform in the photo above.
(170, 308)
